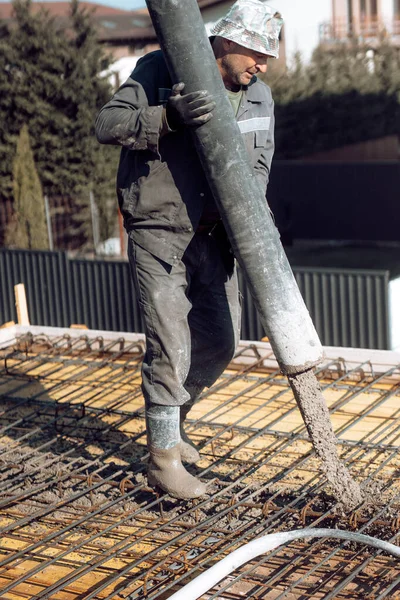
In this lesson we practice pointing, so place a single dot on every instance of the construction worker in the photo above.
(179, 254)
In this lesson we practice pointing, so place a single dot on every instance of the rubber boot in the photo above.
(189, 452)
(165, 468)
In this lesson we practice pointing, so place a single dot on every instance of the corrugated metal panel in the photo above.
(45, 275)
(348, 307)
(104, 296)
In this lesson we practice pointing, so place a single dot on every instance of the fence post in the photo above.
(95, 221)
(21, 304)
(48, 221)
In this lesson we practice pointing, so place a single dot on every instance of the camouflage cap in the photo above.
(252, 24)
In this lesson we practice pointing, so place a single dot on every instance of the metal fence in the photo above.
(348, 307)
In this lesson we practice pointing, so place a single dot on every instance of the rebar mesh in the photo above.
(78, 520)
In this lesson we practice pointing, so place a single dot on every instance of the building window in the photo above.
(109, 24)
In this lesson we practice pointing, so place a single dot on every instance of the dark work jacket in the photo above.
(161, 186)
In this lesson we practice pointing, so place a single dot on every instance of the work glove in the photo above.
(188, 109)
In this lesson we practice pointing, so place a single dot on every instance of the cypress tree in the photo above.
(28, 229)
(7, 62)
(51, 77)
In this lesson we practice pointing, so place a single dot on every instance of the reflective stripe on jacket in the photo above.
(161, 186)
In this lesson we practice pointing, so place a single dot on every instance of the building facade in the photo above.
(368, 20)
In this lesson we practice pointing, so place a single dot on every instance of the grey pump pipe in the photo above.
(253, 236)
(204, 582)
(239, 197)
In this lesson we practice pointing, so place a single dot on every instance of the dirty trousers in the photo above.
(192, 319)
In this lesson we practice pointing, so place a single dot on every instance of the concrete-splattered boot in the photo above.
(165, 468)
(189, 452)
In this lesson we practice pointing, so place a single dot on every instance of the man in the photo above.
(179, 254)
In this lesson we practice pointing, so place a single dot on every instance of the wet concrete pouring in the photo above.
(316, 417)
(79, 521)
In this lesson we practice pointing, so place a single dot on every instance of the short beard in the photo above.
(234, 78)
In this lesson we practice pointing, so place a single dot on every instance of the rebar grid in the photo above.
(78, 520)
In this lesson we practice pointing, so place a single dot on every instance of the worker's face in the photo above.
(238, 64)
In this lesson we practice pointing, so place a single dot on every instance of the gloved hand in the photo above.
(188, 109)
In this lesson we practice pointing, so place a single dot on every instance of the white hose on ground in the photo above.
(204, 582)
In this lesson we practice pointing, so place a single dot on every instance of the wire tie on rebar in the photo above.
(232, 432)
(100, 340)
(353, 520)
(213, 448)
(148, 489)
(361, 371)
(395, 525)
(233, 513)
(162, 515)
(255, 350)
(304, 511)
(90, 484)
(89, 479)
(67, 337)
(372, 369)
(268, 506)
(123, 484)
(28, 339)
(197, 515)
(339, 366)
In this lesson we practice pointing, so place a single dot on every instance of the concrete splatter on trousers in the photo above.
(192, 318)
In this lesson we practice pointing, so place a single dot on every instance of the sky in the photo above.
(123, 4)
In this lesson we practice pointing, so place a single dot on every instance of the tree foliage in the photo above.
(28, 228)
(49, 76)
(346, 94)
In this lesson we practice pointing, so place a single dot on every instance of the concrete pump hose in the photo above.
(236, 559)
